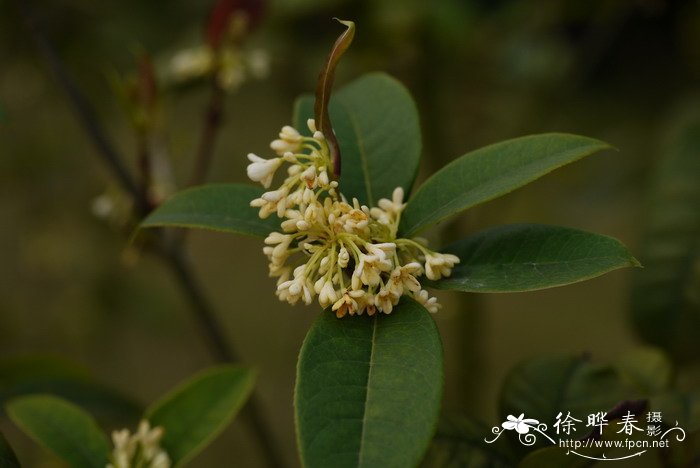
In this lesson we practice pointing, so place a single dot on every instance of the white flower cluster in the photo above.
(345, 253)
(141, 449)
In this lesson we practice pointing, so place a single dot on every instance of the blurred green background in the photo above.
(624, 71)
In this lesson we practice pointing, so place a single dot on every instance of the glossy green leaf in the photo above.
(543, 387)
(51, 375)
(459, 442)
(196, 411)
(490, 172)
(324, 87)
(216, 207)
(66, 430)
(368, 389)
(8, 459)
(666, 293)
(526, 257)
(376, 123)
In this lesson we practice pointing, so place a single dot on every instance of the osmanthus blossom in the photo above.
(141, 449)
(343, 253)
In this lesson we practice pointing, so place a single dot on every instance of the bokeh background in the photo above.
(624, 71)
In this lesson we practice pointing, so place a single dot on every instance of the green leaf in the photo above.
(376, 123)
(526, 257)
(51, 375)
(324, 87)
(217, 207)
(666, 293)
(8, 459)
(459, 442)
(542, 387)
(68, 431)
(490, 172)
(368, 389)
(196, 411)
(648, 369)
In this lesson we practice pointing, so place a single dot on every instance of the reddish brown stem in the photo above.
(212, 123)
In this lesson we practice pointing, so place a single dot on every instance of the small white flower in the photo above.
(438, 265)
(262, 170)
(311, 123)
(346, 304)
(369, 269)
(309, 196)
(385, 301)
(309, 176)
(191, 63)
(289, 141)
(327, 295)
(140, 449)
(382, 250)
(281, 246)
(323, 179)
(290, 224)
(403, 279)
(343, 257)
(430, 303)
(298, 288)
(275, 195)
(395, 205)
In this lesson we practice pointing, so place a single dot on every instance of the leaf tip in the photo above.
(347, 23)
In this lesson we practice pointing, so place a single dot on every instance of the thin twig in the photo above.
(143, 159)
(212, 123)
(84, 111)
(252, 412)
(173, 257)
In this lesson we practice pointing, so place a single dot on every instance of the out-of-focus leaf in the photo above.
(376, 123)
(647, 369)
(8, 459)
(368, 389)
(526, 257)
(666, 293)
(196, 411)
(459, 442)
(45, 374)
(543, 387)
(66, 430)
(324, 87)
(217, 207)
(488, 173)
(681, 407)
